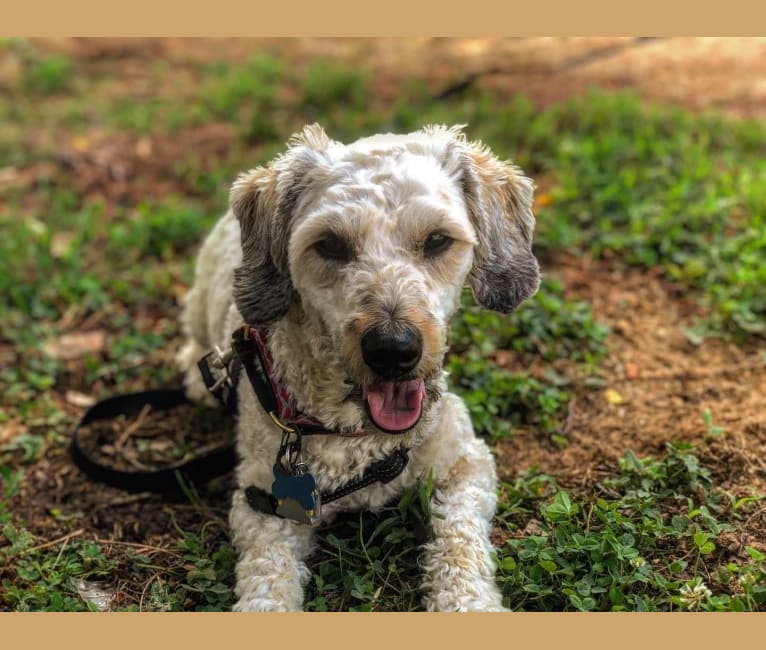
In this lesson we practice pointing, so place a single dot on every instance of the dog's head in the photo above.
(373, 242)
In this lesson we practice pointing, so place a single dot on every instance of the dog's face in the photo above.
(374, 241)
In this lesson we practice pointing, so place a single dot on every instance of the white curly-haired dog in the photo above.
(352, 258)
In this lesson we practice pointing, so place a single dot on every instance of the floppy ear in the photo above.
(262, 292)
(499, 201)
(264, 201)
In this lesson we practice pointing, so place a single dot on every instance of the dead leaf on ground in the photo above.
(98, 594)
(632, 370)
(75, 398)
(76, 344)
(80, 143)
(542, 200)
(613, 397)
(144, 148)
(11, 430)
(504, 358)
(60, 243)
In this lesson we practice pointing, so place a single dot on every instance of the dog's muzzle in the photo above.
(394, 403)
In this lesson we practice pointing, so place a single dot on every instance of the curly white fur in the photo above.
(383, 195)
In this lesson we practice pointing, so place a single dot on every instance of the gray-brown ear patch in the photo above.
(499, 201)
(262, 294)
(502, 286)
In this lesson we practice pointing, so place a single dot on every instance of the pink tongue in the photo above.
(395, 406)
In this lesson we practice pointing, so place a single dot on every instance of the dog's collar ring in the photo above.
(285, 427)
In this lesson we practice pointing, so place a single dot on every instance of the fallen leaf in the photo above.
(9, 177)
(80, 143)
(97, 593)
(10, 430)
(632, 370)
(60, 243)
(504, 358)
(82, 400)
(144, 148)
(541, 200)
(76, 344)
(613, 397)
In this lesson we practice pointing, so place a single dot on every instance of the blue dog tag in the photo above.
(297, 495)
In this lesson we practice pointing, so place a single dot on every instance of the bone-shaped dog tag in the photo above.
(297, 496)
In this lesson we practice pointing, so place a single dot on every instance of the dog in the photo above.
(351, 260)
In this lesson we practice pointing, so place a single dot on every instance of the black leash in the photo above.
(198, 469)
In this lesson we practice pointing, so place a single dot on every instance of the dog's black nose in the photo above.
(392, 354)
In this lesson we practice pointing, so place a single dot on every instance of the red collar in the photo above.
(288, 411)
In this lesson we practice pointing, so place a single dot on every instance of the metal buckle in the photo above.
(219, 360)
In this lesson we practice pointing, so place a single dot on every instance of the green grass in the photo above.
(367, 562)
(641, 541)
(48, 75)
(77, 259)
(547, 327)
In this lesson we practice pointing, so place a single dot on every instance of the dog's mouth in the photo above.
(395, 406)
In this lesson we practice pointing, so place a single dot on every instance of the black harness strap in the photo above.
(246, 352)
(223, 382)
(383, 471)
(225, 389)
(196, 470)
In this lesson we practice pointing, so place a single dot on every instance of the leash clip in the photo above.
(220, 360)
(289, 454)
(215, 370)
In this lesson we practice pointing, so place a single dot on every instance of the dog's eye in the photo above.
(333, 247)
(436, 243)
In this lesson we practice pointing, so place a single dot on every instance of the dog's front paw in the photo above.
(277, 593)
(248, 604)
(488, 600)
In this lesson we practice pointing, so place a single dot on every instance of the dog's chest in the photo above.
(334, 460)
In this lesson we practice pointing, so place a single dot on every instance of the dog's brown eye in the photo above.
(333, 247)
(436, 243)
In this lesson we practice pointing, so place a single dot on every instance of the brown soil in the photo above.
(127, 169)
(55, 492)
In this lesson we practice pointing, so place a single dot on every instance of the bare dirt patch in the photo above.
(663, 384)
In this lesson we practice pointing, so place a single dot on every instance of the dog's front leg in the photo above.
(457, 562)
(271, 572)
